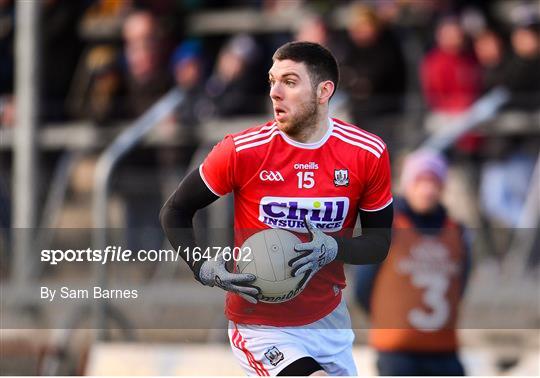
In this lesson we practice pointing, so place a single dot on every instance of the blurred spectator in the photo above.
(234, 87)
(188, 70)
(109, 88)
(172, 15)
(312, 29)
(61, 49)
(428, 264)
(473, 21)
(96, 89)
(490, 54)
(187, 65)
(147, 78)
(450, 76)
(505, 183)
(373, 73)
(59, 43)
(523, 74)
(451, 82)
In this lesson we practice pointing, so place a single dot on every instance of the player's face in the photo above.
(424, 194)
(293, 96)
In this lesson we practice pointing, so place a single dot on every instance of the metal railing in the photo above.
(483, 110)
(104, 169)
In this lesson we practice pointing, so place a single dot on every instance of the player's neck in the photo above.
(314, 131)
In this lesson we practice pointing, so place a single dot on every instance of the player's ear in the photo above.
(325, 89)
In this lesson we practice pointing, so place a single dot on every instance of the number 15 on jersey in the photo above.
(305, 180)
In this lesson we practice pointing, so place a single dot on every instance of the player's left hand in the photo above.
(214, 272)
(321, 250)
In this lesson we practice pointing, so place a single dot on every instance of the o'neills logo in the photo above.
(310, 165)
(279, 298)
(327, 213)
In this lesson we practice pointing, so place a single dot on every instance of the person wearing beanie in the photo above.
(187, 66)
(413, 297)
(234, 86)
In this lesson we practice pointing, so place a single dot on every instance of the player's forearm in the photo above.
(176, 216)
(178, 227)
(370, 248)
(373, 245)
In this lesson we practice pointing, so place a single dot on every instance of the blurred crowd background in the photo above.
(409, 69)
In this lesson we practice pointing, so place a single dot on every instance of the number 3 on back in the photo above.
(435, 286)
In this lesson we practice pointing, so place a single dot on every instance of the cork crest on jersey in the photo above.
(341, 177)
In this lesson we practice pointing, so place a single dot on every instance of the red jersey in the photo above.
(277, 181)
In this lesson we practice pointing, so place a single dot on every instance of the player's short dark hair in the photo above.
(320, 62)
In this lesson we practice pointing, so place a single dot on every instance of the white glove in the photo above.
(321, 250)
(214, 272)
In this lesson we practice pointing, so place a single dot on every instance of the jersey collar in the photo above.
(313, 145)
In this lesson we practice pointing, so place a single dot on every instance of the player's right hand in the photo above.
(214, 273)
(320, 251)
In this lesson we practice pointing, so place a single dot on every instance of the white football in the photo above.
(271, 250)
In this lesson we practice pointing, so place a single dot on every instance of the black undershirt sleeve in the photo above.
(176, 216)
(373, 245)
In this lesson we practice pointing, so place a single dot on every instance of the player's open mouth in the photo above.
(279, 113)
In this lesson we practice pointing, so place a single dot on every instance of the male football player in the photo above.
(307, 173)
(414, 332)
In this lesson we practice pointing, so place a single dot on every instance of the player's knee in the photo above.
(318, 373)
